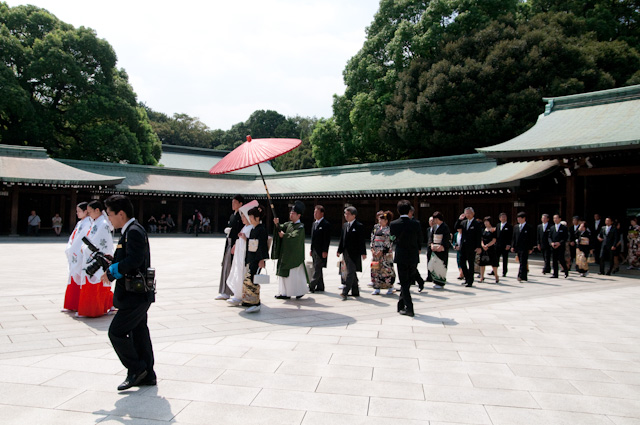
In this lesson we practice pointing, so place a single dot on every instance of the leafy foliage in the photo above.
(62, 91)
(444, 77)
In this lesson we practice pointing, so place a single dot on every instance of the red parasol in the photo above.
(254, 152)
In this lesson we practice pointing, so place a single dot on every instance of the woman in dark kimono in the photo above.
(489, 255)
(584, 246)
(257, 252)
(440, 245)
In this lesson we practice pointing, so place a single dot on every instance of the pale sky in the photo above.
(222, 60)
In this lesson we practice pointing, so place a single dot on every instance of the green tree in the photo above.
(65, 93)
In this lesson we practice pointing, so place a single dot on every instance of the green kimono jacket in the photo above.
(288, 250)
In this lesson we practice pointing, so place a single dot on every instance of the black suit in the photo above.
(609, 240)
(407, 234)
(523, 242)
(471, 240)
(597, 228)
(504, 236)
(320, 240)
(543, 242)
(352, 247)
(128, 331)
(561, 236)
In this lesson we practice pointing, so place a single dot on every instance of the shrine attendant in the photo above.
(74, 256)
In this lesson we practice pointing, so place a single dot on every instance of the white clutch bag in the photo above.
(261, 279)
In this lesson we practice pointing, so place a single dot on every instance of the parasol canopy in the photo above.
(252, 152)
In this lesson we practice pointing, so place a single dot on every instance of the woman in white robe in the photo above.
(238, 268)
(74, 256)
(96, 298)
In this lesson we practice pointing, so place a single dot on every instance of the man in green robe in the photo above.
(288, 249)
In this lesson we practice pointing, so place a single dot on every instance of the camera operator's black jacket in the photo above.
(132, 255)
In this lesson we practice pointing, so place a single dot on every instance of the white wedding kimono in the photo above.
(238, 270)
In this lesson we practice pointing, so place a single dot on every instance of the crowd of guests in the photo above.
(396, 247)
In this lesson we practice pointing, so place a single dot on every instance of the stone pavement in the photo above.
(550, 351)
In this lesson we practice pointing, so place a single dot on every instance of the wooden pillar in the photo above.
(570, 197)
(179, 218)
(216, 210)
(140, 214)
(15, 199)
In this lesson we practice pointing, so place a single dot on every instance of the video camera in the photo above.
(99, 259)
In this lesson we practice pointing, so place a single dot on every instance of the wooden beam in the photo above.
(607, 171)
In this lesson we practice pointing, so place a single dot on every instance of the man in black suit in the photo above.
(470, 244)
(407, 237)
(505, 234)
(128, 331)
(597, 228)
(522, 244)
(234, 226)
(558, 236)
(543, 242)
(608, 238)
(418, 278)
(320, 240)
(352, 247)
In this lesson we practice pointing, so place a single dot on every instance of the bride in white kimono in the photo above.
(237, 273)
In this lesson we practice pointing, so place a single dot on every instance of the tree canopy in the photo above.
(444, 77)
(61, 90)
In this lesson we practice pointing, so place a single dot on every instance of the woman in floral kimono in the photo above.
(584, 246)
(633, 244)
(74, 256)
(383, 275)
(440, 245)
(96, 298)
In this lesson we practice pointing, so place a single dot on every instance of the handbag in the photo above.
(591, 259)
(261, 279)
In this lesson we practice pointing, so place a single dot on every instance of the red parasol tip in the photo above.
(248, 138)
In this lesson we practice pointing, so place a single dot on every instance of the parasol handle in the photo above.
(273, 211)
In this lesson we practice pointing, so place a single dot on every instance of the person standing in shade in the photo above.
(440, 244)
(320, 240)
(56, 224)
(573, 234)
(504, 231)
(543, 242)
(558, 236)
(197, 221)
(128, 332)
(33, 224)
(353, 248)
(471, 242)
(407, 238)
(608, 238)
(234, 226)
(522, 244)
(288, 249)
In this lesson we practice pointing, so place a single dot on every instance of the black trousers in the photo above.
(523, 256)
(558, 257)
(468, 263)
(504, 257)
(351, 281)
(546, 256)
(130, 338)
(607, 255)
(406, 275)
(317, 280)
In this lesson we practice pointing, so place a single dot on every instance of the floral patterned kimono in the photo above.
(633, 236)
(383, 275)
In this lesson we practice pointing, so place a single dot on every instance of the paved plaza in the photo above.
(548, 351)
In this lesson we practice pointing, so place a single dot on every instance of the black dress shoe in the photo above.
(554, 277)
(299, 296)
(406, 313)
(566, 275)
(132, 380)
(344, 297)
(148, 382)
(469, 285)
(282, 297)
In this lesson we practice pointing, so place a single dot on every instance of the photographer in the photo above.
(128, 332)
